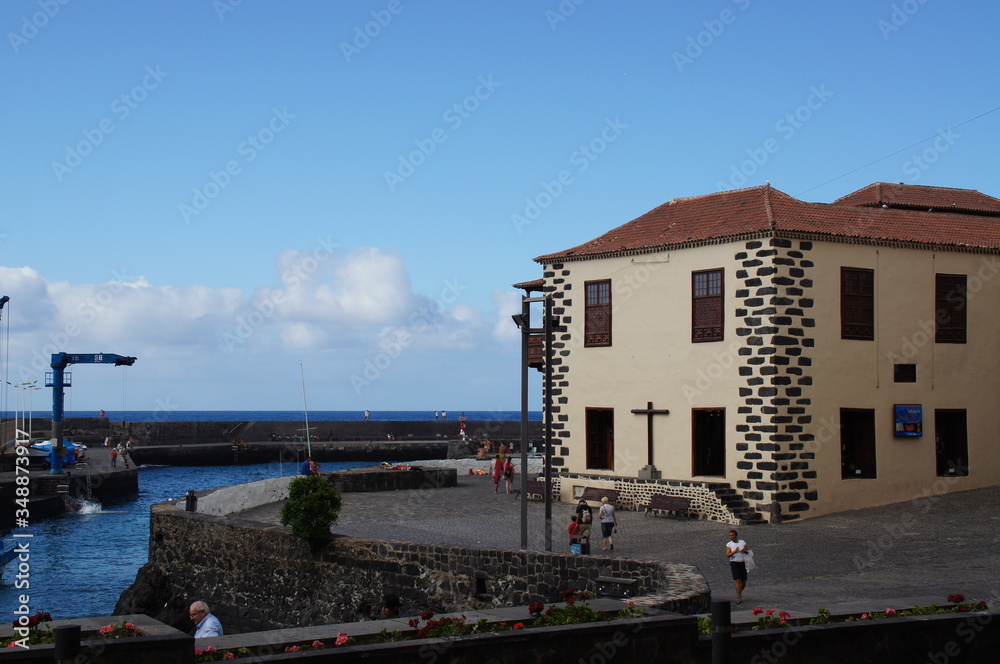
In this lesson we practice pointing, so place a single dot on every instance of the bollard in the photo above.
(191, 502)
(721, 631)
(67, 643)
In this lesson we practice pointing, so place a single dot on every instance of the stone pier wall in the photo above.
(258, 578)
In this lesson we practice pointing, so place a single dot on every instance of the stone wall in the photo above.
(258, 578)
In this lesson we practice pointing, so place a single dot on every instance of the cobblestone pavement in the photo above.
(917, 552)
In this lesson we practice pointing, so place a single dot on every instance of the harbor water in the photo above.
(80, 563)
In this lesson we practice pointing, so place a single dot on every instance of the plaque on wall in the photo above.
(909, 419)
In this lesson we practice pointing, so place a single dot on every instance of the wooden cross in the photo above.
(648, 411)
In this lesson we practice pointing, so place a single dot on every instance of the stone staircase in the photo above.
(736, 504)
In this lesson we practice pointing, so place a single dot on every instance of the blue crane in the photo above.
(59, 363)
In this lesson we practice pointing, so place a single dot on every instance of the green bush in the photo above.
(312, 507)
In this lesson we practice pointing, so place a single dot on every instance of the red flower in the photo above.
(210, 649)
(229, 655)
(770, 611)
(956, 599)
(535, 607)
(427, 615)
(757, 611)
(198, 652)
(342, 638)
(784, 615)
(319, 644)
(414, 622)
(518, 626)
(292, 648)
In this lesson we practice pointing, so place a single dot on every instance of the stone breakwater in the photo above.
(258, 576)
(90, 430)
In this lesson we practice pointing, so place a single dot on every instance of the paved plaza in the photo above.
(899, 555)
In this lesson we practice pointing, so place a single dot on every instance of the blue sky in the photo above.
(229, 189)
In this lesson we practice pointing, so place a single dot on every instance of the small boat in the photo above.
(8, 552)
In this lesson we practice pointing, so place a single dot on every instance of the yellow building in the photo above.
(812, 357)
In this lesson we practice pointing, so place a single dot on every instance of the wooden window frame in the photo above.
(707, 305)
(857, 303)
(951, 308)
(597, 313)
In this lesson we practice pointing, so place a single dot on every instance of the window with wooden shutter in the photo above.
(597, 317)
(706, 305)
(857, 303)
(951, 308)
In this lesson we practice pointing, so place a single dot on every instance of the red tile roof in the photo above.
(761, 210)
(920, 197)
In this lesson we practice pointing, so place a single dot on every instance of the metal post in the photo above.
(721, 631)
(67, 643)
(547, 325)
(58, 401)
(525, 331)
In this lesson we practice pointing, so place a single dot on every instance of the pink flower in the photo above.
(341, 638)
(318, 644)
(864, 616)
(198, 652)
(129, 626)
(210, 649)
(229, 655)
(107, 629)
(12, 644)
(890, 612)
(292, 648)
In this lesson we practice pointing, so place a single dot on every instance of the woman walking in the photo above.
(736, 552)
(609, 523)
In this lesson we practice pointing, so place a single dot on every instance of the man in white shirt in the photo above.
(735, 550)
(208, 625)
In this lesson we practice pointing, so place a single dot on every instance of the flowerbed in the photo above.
(774, 619)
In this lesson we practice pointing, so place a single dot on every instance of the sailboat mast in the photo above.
(305, 409)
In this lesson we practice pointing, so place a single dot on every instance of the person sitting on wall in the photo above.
(390, 606)
(305, 468)
(207, 624)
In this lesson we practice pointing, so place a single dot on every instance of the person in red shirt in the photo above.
(574, 528)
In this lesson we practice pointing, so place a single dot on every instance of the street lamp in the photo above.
(523, 321)
(31, 390)
(17, 405)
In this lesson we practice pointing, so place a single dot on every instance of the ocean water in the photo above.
(296, 415)
(80, 563)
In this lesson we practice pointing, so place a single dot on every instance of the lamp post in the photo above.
(31, 389)
(17, 405)
(523, 321)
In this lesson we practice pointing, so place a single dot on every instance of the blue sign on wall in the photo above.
(909, 419)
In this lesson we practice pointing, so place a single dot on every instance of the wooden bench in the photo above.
(659, 501)
(534, 488)
(595, 494)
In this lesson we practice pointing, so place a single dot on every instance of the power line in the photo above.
(924, 140)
